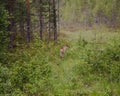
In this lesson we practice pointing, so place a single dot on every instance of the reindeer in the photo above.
(63, 50)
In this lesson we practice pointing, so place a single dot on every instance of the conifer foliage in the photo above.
(28, 17)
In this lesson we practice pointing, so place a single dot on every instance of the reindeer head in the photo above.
(63, 50)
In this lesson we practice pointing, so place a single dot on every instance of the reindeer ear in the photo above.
(67, 46)
(61, 49)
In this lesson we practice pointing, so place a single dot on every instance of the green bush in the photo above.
(105, 61)
(3, 33)
(5, 83)
(3, 27)
(97, 70)
(26, 72)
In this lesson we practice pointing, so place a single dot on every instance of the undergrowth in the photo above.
(87, 69)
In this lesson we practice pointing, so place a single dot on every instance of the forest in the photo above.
(59, 47)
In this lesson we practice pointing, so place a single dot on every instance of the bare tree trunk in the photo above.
(22, 30)
(54, 20)
(58, 15)
(10, 7)
(41, 19)
(49, 19)
(28, 21)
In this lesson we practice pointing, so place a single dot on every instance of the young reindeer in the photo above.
(63, 50)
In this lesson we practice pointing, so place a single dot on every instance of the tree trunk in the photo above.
(10, 8)
(28, 21)
(54, 20)
(49, 19)
(41, 19)
(22, 30)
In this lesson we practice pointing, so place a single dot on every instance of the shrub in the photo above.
(3, 28)
(26, 72)
(104, 61)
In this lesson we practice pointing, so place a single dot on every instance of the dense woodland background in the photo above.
(89, 12)
(32, 32)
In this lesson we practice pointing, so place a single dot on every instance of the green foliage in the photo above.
(28, 71)
(25, 73)
(5, 83)
(3, 27)
(87, 69)
(105, 61)
(3, 43)
(89, 12)
(96, 70)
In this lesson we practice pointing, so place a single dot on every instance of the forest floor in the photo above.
(89, 34)
(66, 82)
(90, 66)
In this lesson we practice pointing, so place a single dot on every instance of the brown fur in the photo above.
(63, 50)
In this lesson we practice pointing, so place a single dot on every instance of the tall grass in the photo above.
(89, 68)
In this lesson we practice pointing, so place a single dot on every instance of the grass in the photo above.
(39, 70)
(67, 83)
(89, 34)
